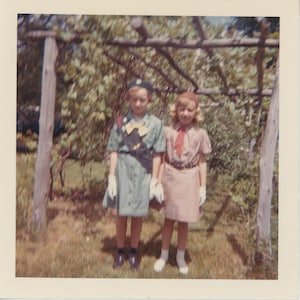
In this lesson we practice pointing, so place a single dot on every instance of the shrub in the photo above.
(24, 190)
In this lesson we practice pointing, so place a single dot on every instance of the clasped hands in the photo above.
(156, 190)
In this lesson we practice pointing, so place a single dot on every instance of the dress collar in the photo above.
(178, 125)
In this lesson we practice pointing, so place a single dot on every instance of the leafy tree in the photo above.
(251, 25)
(92, 76)
(30, 57)
(90, 90)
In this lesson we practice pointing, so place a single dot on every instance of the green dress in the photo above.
(133, 172)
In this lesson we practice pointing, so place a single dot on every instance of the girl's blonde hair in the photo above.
(182, 100)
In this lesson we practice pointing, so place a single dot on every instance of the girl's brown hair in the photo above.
(182, 100)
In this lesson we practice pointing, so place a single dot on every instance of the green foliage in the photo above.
(251, 25)
(91, 82)
(95, 93)
(228, 137)
(244, 190)
(90, 94)
(90, 89)
(29, 68)
(231, 133)
(80, 182)
(24, 191)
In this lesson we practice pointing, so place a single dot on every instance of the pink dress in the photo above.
(181, 179)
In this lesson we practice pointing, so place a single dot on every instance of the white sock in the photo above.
(161, 262)
(183, 268)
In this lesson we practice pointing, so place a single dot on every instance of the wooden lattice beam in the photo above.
(230, 92)
(260, 54)
(174, 43)
(158, 43)
(137, 24)
(154, 67)
(201, 91)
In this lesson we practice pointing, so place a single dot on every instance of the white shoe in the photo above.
(159, 265)
(183, 270)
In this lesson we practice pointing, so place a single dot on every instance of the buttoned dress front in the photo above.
(133, 179)
(181, 185)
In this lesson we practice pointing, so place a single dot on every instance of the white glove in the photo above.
(112, 186)
(202, 195)
(159, 193)
(153, 183)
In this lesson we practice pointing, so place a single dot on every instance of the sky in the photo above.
(218, 20)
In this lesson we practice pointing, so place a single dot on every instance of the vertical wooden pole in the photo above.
(45, 141)
(266, 165)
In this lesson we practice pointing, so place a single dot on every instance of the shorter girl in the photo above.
(183, 175)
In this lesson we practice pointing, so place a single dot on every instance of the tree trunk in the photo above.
(266, 165)
(46, 125)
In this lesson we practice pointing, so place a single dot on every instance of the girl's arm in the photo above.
(112, 182)
(202, 169)
(113, 163)
(156, 163)
(156, 189)
(161, 169)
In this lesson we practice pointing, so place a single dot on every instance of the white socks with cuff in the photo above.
(183, 268)
(161, 262)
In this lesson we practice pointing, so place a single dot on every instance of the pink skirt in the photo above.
(181, 191)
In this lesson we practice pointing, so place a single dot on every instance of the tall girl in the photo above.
(135, 145)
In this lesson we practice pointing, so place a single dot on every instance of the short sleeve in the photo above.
(205, 145)
(112, 144)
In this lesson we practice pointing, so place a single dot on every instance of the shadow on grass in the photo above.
(211, 228)
(84, 205)
(151, 248)
(52, 213)
(237, 248)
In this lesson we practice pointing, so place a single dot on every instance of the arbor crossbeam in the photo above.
(193, 44)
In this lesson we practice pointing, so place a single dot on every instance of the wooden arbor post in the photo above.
(46, 125)
(266, 166)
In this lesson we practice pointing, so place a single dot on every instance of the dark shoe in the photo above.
(119, 261)
(134, 262)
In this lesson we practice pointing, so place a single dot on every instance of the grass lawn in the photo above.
(80, 238)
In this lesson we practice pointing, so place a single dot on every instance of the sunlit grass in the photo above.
(80, 238)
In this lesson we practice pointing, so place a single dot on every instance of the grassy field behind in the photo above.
(80, 238)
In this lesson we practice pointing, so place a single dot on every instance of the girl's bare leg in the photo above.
(136, 229)
(182, 235)
(167, 233)
(166, 241)
(121, 228)
(182, 242)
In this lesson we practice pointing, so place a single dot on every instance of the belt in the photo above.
(180, 165)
